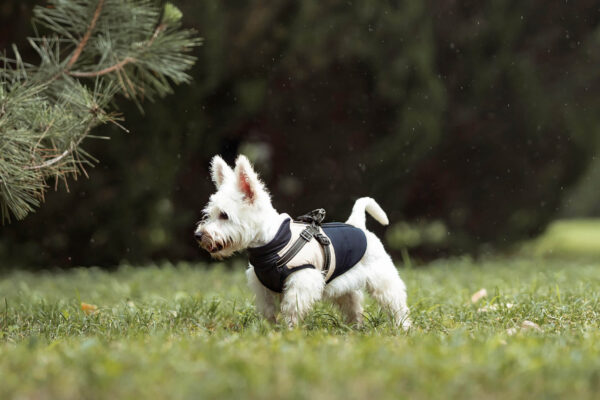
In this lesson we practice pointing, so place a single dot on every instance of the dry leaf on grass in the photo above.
(88, 308)
(478, 295)
(530, 325)
(525, 326)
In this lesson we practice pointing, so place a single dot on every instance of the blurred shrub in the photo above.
(519, 127)
(583, 200)
(567, 238)
(476, 116)
(423, 235)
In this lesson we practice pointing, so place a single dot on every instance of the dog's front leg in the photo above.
(301, 290)
(265, 299)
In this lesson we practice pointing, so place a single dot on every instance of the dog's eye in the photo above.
(223, 215)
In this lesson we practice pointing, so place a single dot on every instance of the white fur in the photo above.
(252, 221)
(357, 218)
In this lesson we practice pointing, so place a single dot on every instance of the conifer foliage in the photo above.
(89, 51)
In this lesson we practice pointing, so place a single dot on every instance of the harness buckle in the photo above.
(315, 217)
(322, 239)
(306, 235)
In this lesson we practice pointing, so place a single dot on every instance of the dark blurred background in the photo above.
(474, 124)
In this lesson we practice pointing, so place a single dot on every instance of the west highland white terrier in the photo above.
(297, 263)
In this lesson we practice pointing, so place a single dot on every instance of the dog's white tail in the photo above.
(358, 218)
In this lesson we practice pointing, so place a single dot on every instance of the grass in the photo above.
(188, 331)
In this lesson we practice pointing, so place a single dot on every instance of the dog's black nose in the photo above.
(198, 235)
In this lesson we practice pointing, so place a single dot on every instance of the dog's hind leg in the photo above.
(265, 298)
(389, 291)
(301, 290)
(351, 306)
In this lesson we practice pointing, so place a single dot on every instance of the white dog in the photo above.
(335, 261)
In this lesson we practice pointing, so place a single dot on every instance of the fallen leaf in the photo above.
(478, 295)
(525, 326)
(88, 308)
(530, 325)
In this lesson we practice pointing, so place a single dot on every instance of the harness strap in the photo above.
(324, 242)
(311, 231)
(304, 238)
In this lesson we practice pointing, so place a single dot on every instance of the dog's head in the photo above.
(236, 211)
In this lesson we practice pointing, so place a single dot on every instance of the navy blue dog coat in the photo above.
(348, 242)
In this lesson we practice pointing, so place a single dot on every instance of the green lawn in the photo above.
(188, 331)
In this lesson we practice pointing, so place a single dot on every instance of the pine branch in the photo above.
(104, 71)
(128, 47)
(86, 37)
(73, 147)
(120, 64)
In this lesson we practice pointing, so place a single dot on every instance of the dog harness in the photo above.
(332, 248)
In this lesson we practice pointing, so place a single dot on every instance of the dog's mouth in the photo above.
(210, 245)
(216, 248)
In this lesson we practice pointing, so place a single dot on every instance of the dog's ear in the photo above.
(247, 180)
(219, 170)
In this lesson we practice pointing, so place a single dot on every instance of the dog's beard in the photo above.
(223, 253)
(223, 248)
